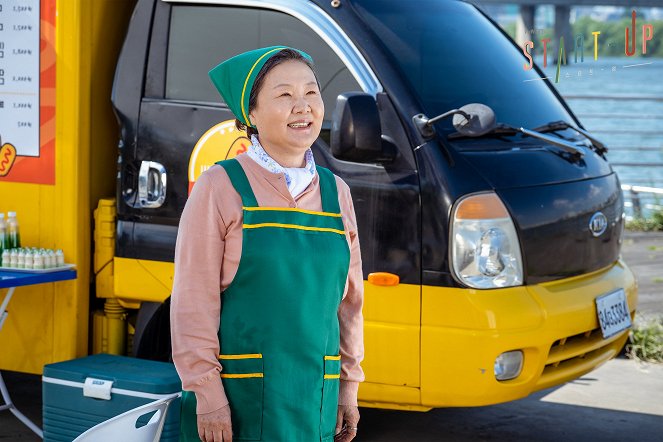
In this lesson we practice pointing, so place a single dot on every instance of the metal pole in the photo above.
(637, 208)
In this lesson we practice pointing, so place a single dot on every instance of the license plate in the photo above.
(614, 315)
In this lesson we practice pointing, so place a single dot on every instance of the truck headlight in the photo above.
(485, 252)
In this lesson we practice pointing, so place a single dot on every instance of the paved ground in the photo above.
(621, 401)
(643, 252)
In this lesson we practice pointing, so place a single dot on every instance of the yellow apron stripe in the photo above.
(242, 356)
(293, 226)
(246, 119)
(289, 209)
(242, 375)
(332, 376)
(333, 358)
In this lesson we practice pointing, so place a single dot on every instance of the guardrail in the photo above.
(636, 201)
(643, 192)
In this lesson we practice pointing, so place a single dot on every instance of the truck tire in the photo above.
(152, 336)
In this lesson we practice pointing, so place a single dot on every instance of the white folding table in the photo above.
(11, 279)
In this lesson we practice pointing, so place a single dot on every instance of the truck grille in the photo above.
(575, 355)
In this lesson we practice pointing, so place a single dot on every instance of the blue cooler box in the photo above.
(79, 394)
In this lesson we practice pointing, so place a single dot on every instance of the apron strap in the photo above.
(239, 181)
(328, 190)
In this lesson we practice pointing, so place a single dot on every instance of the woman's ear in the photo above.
(255, 119)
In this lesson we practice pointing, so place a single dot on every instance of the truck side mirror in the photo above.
(356, 133)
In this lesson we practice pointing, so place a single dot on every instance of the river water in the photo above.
(624, 125)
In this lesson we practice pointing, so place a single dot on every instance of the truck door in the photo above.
(179, 104)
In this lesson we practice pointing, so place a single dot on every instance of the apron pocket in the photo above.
(242, 379)
(330, 385)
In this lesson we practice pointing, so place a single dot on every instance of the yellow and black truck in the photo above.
(490, 221)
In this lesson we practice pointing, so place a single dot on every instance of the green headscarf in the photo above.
(234, 78)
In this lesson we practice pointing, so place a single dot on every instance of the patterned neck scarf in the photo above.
(297, 178)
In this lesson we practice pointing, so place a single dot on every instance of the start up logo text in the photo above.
(579, 43)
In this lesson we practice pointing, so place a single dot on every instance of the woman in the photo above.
(276, 356)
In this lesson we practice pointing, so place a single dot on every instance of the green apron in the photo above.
(279, 332)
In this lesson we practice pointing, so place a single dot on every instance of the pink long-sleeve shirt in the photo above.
(207, 253)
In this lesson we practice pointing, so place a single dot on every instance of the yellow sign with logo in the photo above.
(221, 142)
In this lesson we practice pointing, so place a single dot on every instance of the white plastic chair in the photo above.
(123, 427)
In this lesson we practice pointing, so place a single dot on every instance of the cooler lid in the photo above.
(125, 372)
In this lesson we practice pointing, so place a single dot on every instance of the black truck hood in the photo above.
(554, 224)
(525, 165)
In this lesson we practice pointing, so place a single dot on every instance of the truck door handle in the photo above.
(151, 185)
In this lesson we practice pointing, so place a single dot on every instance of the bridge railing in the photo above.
(636, 201)
(635, 153)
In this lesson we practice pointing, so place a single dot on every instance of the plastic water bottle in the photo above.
(21, 259)
(38, 261)
(5, 258)
(3, 232)
(13, 258)
(59, 256)
(29, 259)
(51, 259)
(12, 231)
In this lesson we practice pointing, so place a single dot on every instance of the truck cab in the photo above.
(502, 251)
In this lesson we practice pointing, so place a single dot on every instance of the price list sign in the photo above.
(27, 91)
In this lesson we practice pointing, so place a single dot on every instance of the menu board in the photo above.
(27, 91)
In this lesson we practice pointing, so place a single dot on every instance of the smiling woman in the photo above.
(277, 235)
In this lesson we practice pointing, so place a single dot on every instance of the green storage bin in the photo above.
(70, 408)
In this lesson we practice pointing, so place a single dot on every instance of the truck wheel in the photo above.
(152, 336)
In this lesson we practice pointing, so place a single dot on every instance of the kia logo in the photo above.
(598, 223)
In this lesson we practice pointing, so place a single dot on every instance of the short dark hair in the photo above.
(273, 61)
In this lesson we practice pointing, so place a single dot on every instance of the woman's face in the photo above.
(289, 109)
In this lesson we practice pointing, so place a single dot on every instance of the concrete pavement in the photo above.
(622, 401)
(643, 252)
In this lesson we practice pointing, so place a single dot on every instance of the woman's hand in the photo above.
(215, 426)
(347, 418)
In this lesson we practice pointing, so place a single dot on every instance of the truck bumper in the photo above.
(554, 324)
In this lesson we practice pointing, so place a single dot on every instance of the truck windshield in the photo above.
(452, 55)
